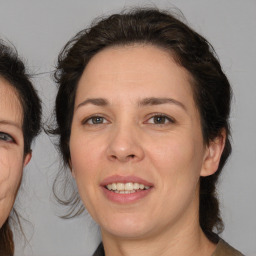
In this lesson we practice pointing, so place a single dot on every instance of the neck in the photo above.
(184, 238)
(193, 244)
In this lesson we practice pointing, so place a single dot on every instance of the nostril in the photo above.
(123, 158)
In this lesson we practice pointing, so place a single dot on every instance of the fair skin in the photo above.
(12, 159)
(135, 122)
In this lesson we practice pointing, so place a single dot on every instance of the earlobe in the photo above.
(213, 154)
(27, 158)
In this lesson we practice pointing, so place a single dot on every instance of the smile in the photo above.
(126, 188)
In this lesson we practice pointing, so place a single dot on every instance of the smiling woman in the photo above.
(20, 113)
(145, 132)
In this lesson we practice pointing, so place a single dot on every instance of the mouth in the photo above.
(126, 188)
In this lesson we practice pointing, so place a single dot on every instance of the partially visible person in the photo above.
(143, 120)
(20, 121)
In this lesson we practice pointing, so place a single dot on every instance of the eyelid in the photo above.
(85, 120)
(169, 118)
(9, 139)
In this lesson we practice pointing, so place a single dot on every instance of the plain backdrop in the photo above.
(39, 29)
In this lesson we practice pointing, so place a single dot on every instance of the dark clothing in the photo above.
(99, 251)
(224, 249)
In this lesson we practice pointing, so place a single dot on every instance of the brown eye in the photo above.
(97, 120)
(160, 119)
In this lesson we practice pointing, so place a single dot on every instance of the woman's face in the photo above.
(11, 148)
(136, 143)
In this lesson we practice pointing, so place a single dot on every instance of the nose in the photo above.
(125, 145)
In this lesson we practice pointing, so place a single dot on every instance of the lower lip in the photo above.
(125, 198)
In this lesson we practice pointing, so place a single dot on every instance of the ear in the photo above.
(27, 158)
(71, 168)
(213, 154)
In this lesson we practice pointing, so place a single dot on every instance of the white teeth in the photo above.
(124, 191)
(120, 186)
(141, 186)
(136, 185)
(126, 188)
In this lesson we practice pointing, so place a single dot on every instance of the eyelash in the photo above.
(6, 137)
(87, 120)
(90, 120)
(160, 115)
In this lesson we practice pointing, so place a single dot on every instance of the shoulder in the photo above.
(224, 249)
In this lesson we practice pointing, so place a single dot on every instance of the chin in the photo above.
(125, 227)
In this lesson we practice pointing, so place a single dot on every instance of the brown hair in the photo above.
(13, 70)
(212, 92)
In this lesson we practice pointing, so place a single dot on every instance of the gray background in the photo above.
(39, 30)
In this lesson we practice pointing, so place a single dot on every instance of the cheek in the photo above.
(178, 159)
(86, 159)
(11, 165)
(85, 154)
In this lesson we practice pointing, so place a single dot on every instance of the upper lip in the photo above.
(124, 179)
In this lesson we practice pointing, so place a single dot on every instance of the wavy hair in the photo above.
(211, 88)
(13, 70)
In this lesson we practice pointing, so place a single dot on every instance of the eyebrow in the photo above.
(6, 122)
(94, 101)
(152, 101)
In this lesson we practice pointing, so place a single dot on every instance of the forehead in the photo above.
(142, 69)
(126, 60)
(10, 105)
